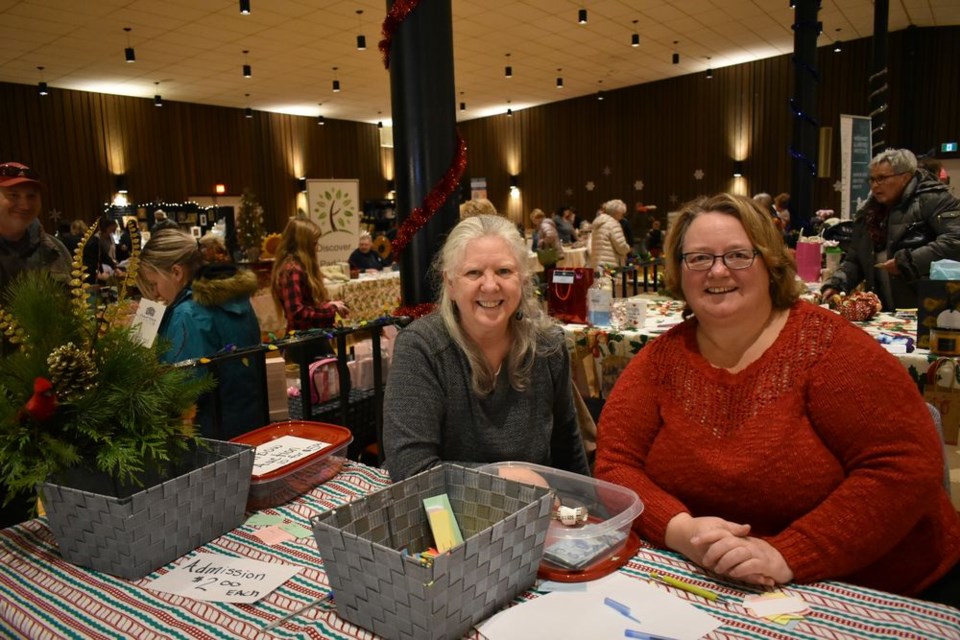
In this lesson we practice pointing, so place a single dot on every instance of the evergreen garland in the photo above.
(122, 415)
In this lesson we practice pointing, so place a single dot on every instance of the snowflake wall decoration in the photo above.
(838, 186)
(590, 186)
(607, 171)
(698, 174)
(638, 185)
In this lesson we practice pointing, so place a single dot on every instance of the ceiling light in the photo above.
(676, 58)
(336, 82)
(42, 86)
(157, 100)
(635, 40)
(838, 46)
(463, 106)
(129, 54)
(582, 16)
(244, 7)
(709, 74)
(379, 124)
(247, 70)
(737, 169)
(599, 95)
(559, 80)
(508, 71)
(248, 113)
(509, 113)
(321, 120)
(361, 39)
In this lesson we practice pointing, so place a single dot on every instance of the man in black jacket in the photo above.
(909, 221)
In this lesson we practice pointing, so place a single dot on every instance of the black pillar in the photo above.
(424, 133)
(806, 128)
(879, 89)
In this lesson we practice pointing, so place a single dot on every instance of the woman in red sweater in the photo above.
(771, 440)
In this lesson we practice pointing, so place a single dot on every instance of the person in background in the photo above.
(781, 205)
(208, 310)
(213, 249)
(563, 219)
(72, 239)
(99, 254)
(537, 217)
(627, 228)
(296, 282)
(773, 441)
(364, 259)
(24, 245)
(909, 221)
(607, 244)
(125, 246)
(654, 240)
(161, 221)
(477, 207)
(486, 377)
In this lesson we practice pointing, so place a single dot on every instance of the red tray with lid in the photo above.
(288, 465)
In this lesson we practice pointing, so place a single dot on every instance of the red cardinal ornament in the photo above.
(42, 404)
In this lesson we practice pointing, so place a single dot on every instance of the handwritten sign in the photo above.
(215, 578)
(283, 451)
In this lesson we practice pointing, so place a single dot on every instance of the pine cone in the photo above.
(72, 372)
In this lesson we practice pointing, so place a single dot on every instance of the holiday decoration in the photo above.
(79, 390)
(250, 230)
(434, 200)
(270, 245)
(857, 307)
(397, 14)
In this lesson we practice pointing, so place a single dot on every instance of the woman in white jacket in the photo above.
(607, 244)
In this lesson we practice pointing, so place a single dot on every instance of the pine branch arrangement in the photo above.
(78, 389)
(250, 229)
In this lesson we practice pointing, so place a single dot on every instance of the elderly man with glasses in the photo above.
(909, 221)
(24, 245)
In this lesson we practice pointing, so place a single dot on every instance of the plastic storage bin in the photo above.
(597, 537)
(272, 485)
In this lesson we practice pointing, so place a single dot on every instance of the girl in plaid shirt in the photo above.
(296, 282)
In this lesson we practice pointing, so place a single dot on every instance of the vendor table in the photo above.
(368, 297)
(42, 597)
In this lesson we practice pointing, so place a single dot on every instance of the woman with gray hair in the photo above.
(608, 246)
(486, 377)
(909, 221)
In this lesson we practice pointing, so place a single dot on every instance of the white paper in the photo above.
(283, 451)
(766, 607)
(216, 578)
(583, 614)
(147, 321)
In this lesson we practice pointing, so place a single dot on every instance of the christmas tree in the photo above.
(250, 229)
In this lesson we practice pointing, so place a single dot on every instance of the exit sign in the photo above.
(948, 147)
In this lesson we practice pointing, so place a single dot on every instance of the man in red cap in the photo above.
(24, 245)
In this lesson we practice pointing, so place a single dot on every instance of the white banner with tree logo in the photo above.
(334, 206)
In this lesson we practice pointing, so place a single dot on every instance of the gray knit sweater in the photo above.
(431, 413)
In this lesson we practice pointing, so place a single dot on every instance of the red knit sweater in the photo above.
(823, 445)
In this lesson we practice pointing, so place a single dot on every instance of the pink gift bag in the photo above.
(808, 261)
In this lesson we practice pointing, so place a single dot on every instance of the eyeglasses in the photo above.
(882, 179)
(13, 171)
(735, 260)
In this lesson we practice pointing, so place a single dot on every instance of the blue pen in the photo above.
(620, 608)
(640, 635)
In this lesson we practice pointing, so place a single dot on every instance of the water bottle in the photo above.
(599, 300)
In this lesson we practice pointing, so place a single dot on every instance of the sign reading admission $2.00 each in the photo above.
(215, 578)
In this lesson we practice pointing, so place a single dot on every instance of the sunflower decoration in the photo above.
(79, 389)
(270, 246)
(382, 246)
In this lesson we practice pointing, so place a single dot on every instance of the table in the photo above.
(43, 597)
(600, 353)
(368, 297)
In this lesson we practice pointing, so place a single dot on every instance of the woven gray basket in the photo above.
(504, 525)
(129, 536)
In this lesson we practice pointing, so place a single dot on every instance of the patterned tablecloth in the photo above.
(43, 597)
(368, 297)
(599, 354)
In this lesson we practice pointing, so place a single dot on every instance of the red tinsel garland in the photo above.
(434, 200)
(397, 14)
(416, 311)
